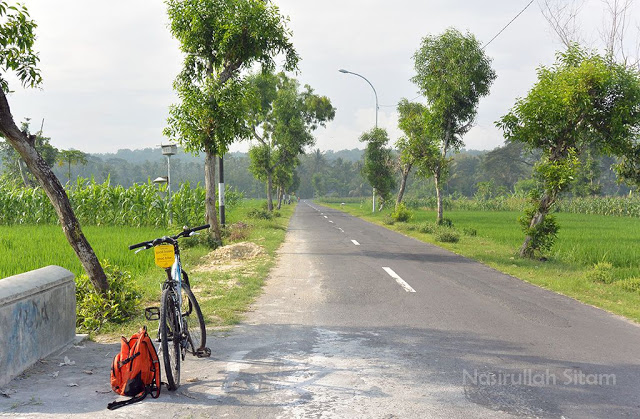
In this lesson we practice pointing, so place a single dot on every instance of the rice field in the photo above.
(27, 247)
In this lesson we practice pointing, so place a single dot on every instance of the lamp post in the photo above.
(169, 150)
(342, 70)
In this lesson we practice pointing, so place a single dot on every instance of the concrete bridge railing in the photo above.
(37, 318)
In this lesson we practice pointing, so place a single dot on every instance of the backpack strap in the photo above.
(117, 404)
(153, 354)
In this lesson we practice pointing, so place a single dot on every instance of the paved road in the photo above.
(357, 321)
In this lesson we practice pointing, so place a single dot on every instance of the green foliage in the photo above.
(556, 174)
(286, 117)
(602, 272)
(628, 206)
(231, 36)
(69, 158)
(94, 309)
(17, 36)
(453, 73)
(629, 284)
(102, 204)
(447, 236)
(427, 227)
(583, 102)
(543, 233)
(14, 168)
(378, 164)
(388, 220)
(401, 213)
(445, 222)
(260, 214)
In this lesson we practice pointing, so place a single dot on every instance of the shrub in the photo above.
(405, 226)
(427, 227)
(388, 220)
(445, 222)
(401, 213)
(544, 235)
(260, 214)
(119, 303)
(447, 236)
(629, 284)
(238, 231)
(602, 272)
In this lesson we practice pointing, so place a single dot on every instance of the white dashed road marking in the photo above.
(355, 242)
(399, 280)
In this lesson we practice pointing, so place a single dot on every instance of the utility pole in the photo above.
(221, 191)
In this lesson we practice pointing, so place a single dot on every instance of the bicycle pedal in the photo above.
(203, 353)
(152, 313)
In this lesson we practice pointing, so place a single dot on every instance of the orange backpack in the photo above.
(135, 371)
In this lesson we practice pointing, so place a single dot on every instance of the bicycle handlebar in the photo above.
(186, 232)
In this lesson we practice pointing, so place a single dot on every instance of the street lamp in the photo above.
(169, 150)
(342, 70)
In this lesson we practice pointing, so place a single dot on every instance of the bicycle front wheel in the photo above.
(170, 338)
(193, 322)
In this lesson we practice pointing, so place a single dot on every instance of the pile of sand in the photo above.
(230, 257)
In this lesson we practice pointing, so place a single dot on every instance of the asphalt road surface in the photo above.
(360, 322)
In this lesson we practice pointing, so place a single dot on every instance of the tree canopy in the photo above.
(220, 39)
(583, 102)
(378, 163)
(453, 73)
(283, 126)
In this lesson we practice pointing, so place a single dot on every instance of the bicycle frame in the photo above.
(174, 282)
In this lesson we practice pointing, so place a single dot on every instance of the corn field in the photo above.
(106, 205)
(602, 205)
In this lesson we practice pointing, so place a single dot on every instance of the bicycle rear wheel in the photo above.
(193, 322)
(170, 338)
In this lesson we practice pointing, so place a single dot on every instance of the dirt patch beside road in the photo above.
(230, 257)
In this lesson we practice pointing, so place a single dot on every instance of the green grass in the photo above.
(583, 241)
(27, 247)
(223, 296)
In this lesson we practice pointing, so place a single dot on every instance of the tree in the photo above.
(417, 146)
(15, 168)
(378, 163)
(453, 73)
(17, 37)
(584, 101)
(506, 165)
(220, 39)
(282, 126)
(71, 157)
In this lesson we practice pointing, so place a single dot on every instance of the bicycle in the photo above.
(178, 306)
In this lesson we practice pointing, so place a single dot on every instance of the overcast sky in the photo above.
(108, 67)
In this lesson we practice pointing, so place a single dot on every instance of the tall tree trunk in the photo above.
(269, 192)
(211, 214)
(436, 180)
(403, 183)
(25, 146)
(547, 200)
(280, 195)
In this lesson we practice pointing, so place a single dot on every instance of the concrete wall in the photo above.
(37, 317)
